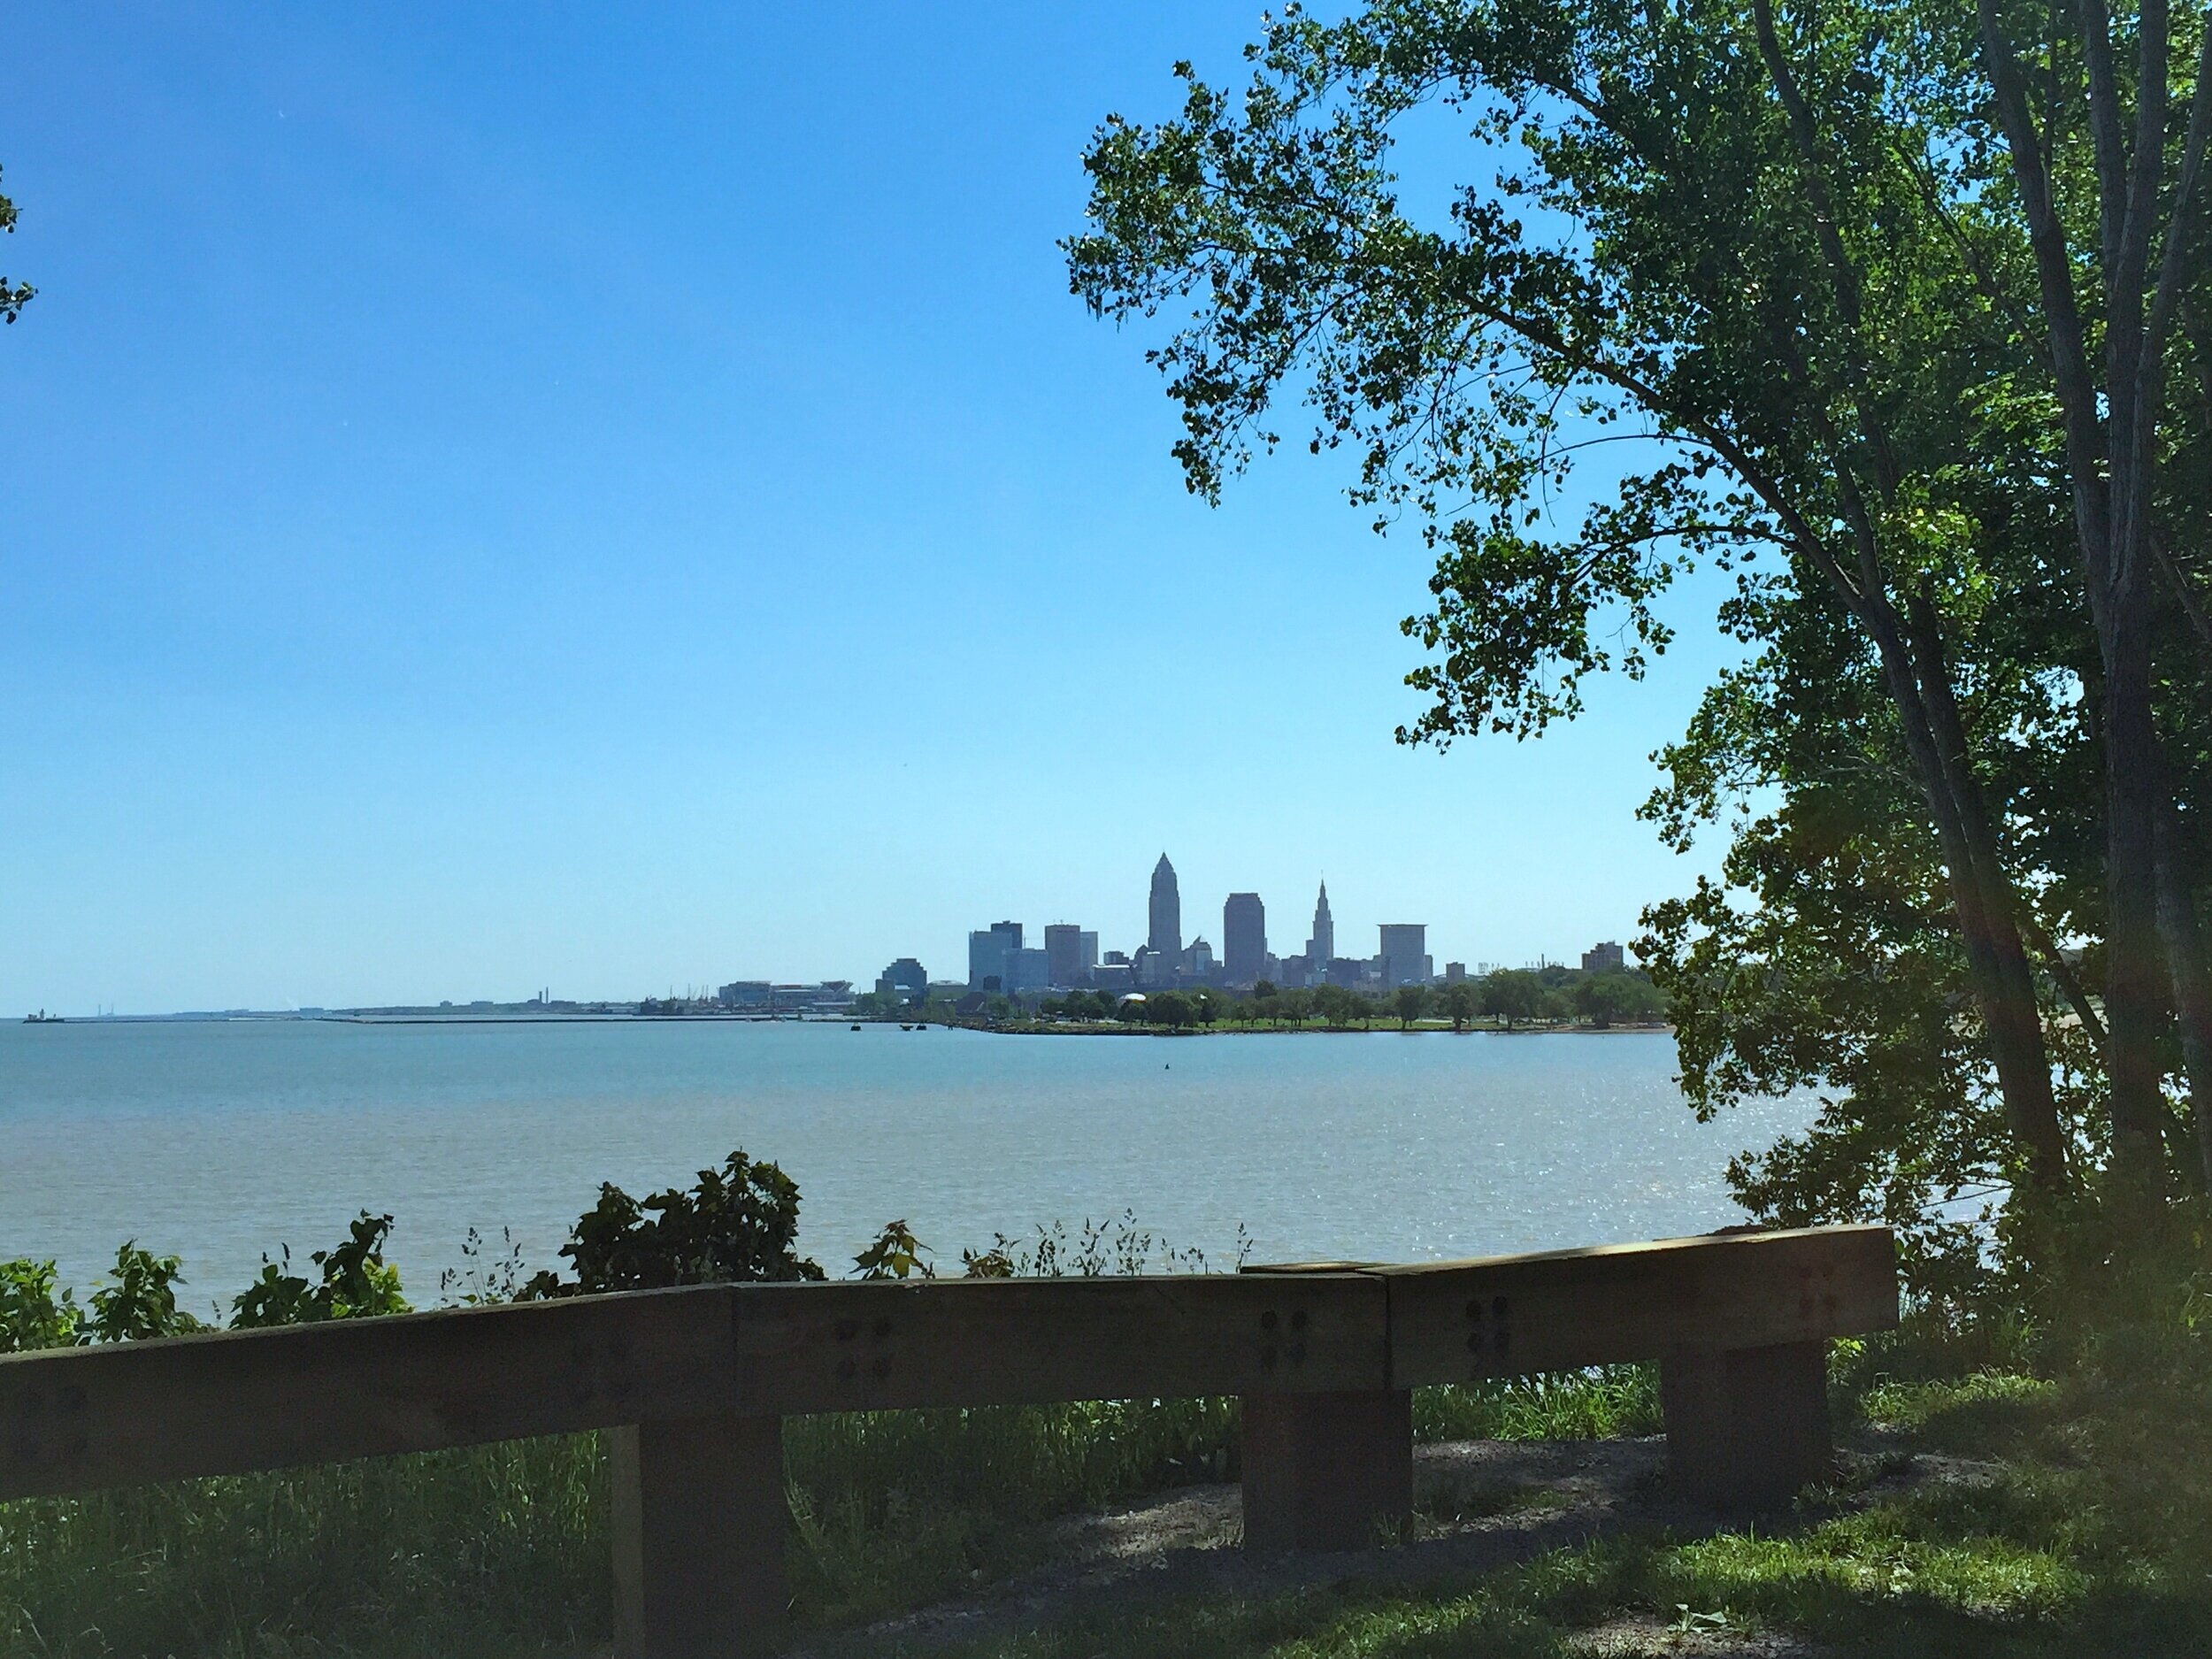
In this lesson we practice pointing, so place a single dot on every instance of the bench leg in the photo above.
(1746, 1426)
(699, 1520)
(1327, 1470)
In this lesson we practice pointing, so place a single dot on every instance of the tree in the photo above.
(1511, 993)
(1172, 1010)
(1338, 1006)
(1409, 1003)
(2105, 324)
(1789, 258)
(1461, 1002)
(1603, 998)
(1294, 1005)
(13, 295)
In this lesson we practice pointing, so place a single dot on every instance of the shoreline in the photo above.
(1038, 1028)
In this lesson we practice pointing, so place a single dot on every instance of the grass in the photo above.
(2083, 1530)
(502, 1550)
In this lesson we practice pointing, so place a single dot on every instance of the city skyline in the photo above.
(1001, 960)
(461, 638)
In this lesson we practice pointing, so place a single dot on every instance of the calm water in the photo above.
(220, 1141)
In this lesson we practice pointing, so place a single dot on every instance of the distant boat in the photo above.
(906, 1029)
(856, 1027)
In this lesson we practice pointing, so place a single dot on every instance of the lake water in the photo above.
(220, 1140)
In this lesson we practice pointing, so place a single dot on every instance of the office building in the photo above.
(1607, 958)
(1086, 955)
(1322, 946)
(1197, 965)
(1403, 957)
(986, 955)
(1064, 949)
(1455, 972)
(1152, 969)
(1345, 970)
(905, 980)
(1243, 940)
(1166, 916)
(1026, 970)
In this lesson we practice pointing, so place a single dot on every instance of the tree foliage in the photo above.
(1817, 301)
(13, 295)
(737, 1224)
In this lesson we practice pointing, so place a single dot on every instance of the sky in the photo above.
(599, 498)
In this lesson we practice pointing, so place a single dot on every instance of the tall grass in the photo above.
(502, 1550)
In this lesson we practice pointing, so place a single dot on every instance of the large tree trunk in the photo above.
(2183, 937)
(2135, 987)
(1981, 895)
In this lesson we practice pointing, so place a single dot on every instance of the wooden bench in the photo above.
(694, 1384)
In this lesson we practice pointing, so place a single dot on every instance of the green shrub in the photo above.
(737, 1224)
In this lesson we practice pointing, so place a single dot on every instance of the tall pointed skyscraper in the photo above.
(1321, 946)
(1167, 911)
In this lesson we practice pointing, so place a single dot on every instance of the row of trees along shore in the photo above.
(1896, 319)
(1508, 996)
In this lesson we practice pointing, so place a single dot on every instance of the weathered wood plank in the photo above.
(78, 1419)
(1456, 1322)
(883, 1345)
(1748, 1425)
(699, 1519)
(1327, 1470)
(232, 1401)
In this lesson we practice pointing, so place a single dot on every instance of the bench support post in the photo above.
(1746, 1426)
(699, 1518)
(1327, 1470)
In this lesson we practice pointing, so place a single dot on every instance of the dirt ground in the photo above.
(1478, 1504)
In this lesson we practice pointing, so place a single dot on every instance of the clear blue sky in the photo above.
(504, 496)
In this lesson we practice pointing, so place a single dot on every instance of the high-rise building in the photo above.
(1063, 951)
(1322, 946)
(1167, 911)
(905, 980)
(1404, 956)
(1455, 972)
(1604, 958)
(1243, 939)
(987, 950)
(1086, 955)
(1027, 971)
(1197, 965)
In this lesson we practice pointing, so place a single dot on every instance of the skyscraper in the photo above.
(1322, 946)
(987, 950)
(1167, 911)
(1404, 955)
(1243, 939)
(1064, 950)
